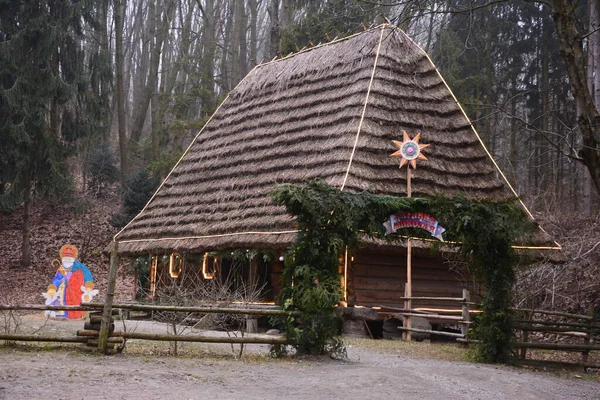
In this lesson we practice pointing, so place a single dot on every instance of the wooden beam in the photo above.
(558, 330)
(204, 339)
(206, 310)
(440, 333)
(58, 339)
(432, 316)
(553, 323)
(36, 338)
(560, 314)
(42, 307)
(557, 346)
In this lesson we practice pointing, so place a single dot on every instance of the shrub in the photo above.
(138, 190)
(101, 168)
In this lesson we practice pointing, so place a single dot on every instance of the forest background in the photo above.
(99, 99)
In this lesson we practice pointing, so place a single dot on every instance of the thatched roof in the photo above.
(330, 112)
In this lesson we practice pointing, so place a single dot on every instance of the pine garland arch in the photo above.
(329, 219)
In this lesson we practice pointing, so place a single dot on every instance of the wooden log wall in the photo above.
(377, 279)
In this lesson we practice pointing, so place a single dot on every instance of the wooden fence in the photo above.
(582, 328)
(462, 318)
(581, 331)
(91, 332)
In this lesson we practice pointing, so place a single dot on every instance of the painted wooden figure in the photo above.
(72, 284)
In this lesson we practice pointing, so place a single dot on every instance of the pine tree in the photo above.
(40, 71)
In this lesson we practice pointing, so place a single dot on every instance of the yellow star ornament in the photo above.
(410, 150)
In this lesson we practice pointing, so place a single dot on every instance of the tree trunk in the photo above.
(593, 81)
(514, 151)
(275, 34)
(287, 14)
(146, 79)
(26, 227)
(242, 42)
(235, 60)
(226, 61)
(545, 151)
(253, 10)
(118, 10)
(208, 60)
(588, 118)
(150, 87)
(105, 79)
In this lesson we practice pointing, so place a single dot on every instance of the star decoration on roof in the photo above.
(410, 150)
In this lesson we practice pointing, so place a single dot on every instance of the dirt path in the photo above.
(208, 371)
(368, 374)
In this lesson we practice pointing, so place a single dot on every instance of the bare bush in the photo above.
(573, 285)
(191, 289)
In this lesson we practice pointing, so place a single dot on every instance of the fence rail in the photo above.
(91, 336)
(463, 319)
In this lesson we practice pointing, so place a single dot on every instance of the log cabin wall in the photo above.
(378, 279)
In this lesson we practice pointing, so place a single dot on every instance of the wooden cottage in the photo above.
(329, 112)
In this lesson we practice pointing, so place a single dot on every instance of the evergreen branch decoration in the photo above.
(328, 220)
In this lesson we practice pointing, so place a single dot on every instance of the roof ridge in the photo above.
(334, 41)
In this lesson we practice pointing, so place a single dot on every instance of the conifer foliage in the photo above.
(40, 71)
(137, 192)
(38, 74)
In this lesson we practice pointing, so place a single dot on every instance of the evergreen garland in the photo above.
(329, 220)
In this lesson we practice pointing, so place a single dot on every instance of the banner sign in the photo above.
(414, 220)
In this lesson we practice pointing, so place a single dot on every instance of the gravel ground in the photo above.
(367, 374)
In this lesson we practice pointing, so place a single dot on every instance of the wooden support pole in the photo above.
(408, 289)
(524, 338)
(586, 340)
(408, 181)
(407, 322)
(252, 322)
(346, 276)
(153, 273)
(110, 294)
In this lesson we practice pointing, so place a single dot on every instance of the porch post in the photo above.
(108, 302)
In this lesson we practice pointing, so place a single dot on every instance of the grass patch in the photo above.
(435, 351)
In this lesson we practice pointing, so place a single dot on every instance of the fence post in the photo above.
(464, 328)
(407, 321)
(586, 340)
(110, 294)
(525, 336)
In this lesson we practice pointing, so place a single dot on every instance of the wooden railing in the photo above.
(463, 319)
(583, 329)
(95, 309)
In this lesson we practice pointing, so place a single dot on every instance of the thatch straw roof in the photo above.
(330, 112)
